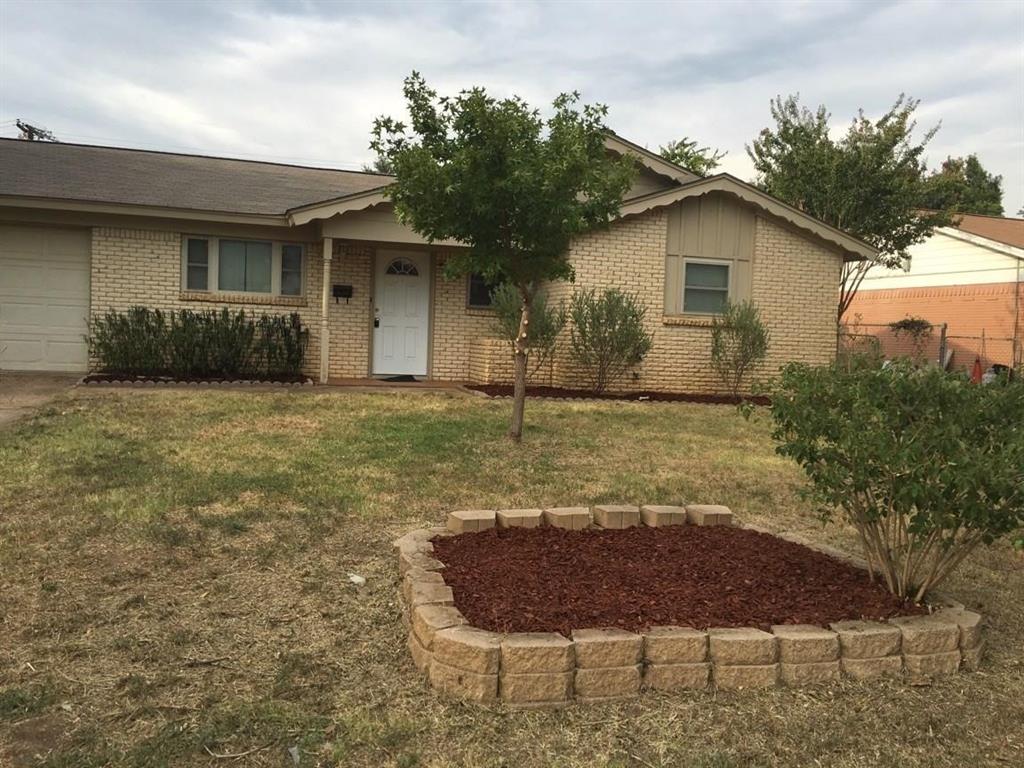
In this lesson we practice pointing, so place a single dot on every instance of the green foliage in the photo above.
(925, 465)
(688, 154)
(513, 187)
(493, 174)
(187, 344)
(963, 185)
(608, 335)
(546, 323)
(868, 183)
(917, 329)
(739, 342)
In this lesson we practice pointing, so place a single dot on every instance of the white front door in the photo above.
(401, 315)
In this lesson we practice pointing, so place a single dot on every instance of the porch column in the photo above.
(325, 306)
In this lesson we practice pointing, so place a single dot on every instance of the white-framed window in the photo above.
(705, 286)
(234, 265)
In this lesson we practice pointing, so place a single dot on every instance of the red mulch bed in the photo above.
(553, 580)
(503, 390)
(107, 378)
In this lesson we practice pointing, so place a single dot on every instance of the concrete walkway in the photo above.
(22, 393)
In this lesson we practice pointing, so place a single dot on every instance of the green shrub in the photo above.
(188, 344)
(608, 335)
(739, 342)
(546, 323)
(925, 465)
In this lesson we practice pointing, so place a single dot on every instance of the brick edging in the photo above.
(182, 384)
(543, 670)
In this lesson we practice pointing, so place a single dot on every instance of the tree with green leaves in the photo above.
(381, 165)
(963, 185)
(687, 153)
(739, 343)
(513, 187)
(868, 183)
(546, 324)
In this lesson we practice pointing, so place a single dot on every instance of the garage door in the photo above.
(44, 298)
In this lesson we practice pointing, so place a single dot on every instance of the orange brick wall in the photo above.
(967, 310)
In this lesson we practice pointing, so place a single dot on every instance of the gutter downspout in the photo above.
(325, 331)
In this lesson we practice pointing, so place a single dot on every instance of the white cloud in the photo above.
(303, 81)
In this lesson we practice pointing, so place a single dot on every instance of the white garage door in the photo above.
(44, 298)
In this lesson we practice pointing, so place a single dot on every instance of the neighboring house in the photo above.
(969, 276)
(87, 229)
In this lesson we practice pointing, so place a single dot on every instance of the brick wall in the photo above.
(968, 311)
(133, 267)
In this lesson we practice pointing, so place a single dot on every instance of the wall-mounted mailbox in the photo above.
(342, 292)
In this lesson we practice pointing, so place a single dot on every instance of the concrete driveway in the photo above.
(22, 393)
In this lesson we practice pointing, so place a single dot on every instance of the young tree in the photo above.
(513, 187)
(687, 153)
(964, 186)
(869, 182)
(739, 341)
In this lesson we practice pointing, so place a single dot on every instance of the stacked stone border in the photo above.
(545, 670)
(86, 381)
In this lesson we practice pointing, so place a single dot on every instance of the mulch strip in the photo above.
(553, 580)
(126, 378)
(503, 390)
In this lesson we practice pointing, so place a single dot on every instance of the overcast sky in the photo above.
(302, 81)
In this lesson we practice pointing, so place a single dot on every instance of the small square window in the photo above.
(197, 265)
(705, 288)
(481, 293)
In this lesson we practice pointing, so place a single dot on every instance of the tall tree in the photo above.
(380, 165)
(687, 153)
(512, 186)
(963, 185)
(869, 182)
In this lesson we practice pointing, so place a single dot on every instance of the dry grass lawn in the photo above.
(174, 589)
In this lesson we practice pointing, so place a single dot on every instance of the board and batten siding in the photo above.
(711, 227)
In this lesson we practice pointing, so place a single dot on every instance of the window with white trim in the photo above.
(231, 265)
(705, 286)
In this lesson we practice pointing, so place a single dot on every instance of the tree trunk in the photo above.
(515, 430)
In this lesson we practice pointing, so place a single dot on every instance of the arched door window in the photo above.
(402, 267)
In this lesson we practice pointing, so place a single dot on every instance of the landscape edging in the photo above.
(546, 670)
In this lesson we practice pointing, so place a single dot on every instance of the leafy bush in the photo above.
(608, 335)
(923, 464)
(546, 323)
(187, 344)
(739, 342)
(917, 329)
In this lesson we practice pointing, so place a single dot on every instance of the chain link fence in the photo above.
(934, 345)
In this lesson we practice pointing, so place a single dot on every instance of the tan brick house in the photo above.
(86, 229)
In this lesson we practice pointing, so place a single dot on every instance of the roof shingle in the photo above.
(194, 182)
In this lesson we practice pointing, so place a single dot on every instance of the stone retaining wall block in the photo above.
(742, 646)
(425, 593)
(657, 516)
(569, 518)
(467, 648)
(541, 688)
(617, 516)
(676, 677)
(708, 514)
(969, 624)
(427, 620)
(924, 635)
(463, 684)
(932, 664)
(519, 518)
(805, 643)
(971, 657)
(608, 683)
(866, 639)
(471, 520)
(409, 560)
(731, 677)
(607, 648)
(675, 645)
(869, 668)
(418, 575)
(536, 652)
(812, 673)
(420, 656)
